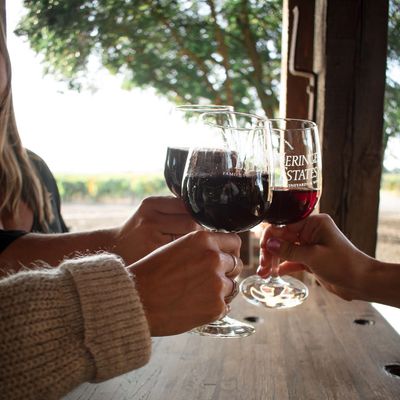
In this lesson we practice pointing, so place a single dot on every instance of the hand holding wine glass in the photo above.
(226, 185)
(296, 186)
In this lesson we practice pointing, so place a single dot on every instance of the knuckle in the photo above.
(192, 225)
(217, 286)
(239, 266)
(145, 204)
(238, 239)
(201, 236)
(235, 239)
(326, 219)
(214, 258)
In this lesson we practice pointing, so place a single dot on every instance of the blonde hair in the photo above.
(18, 177)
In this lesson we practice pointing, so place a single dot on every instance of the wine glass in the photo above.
(296, 188)
(226, 185)
(177, 153)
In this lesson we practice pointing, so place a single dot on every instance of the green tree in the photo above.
(223, 51)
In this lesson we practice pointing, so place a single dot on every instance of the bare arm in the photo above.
(53, 248)
(383, 284)
(156, 222)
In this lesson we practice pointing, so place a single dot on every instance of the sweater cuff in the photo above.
(116, 332)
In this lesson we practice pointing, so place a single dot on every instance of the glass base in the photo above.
(225, 327)
(274, 292)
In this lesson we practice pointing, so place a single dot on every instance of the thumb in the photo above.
(289, 251)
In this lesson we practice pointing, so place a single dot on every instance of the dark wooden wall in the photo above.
(3, 9)
(348, 63)
(350, 112)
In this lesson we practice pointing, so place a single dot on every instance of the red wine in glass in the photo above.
(230, 203)
(289, 206)
(174, 167)
(176, 155)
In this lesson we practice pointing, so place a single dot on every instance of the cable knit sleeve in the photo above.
(82, 321)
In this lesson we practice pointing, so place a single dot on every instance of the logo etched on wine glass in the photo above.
(302, 170)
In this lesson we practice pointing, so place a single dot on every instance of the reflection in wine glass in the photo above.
(177, 153)
(296, 186)
(226, 185)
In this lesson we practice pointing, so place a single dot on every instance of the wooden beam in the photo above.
(350, 58)
(298, 79)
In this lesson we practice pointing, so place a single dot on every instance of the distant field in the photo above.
(391, 182)
(111, 188)
(388, 245)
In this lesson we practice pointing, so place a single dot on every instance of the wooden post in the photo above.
(350, 58)
(3, 11)
(298, 79)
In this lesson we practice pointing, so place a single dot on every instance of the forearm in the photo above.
(59, 328)
(34, 248)
(382, 283)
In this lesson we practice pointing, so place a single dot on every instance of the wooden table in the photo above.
(315, 351)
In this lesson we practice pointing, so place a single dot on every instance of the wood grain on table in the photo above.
(311, 352)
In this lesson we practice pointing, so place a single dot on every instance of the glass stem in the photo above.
(275, 267)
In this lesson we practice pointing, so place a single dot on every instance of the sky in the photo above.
(110, 131)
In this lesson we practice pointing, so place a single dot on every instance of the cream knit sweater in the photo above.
(82, 321)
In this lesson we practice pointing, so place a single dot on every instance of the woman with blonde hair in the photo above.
(29, 198)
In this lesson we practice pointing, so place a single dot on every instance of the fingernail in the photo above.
(273, 244)
(263, 271)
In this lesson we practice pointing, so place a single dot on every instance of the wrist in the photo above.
(368, 269)
(106, 240)
(384, 283)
